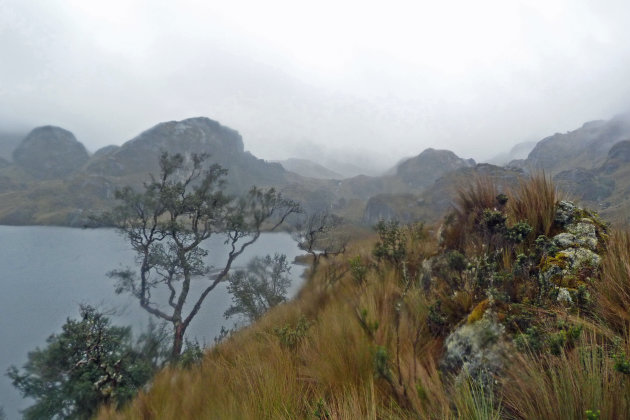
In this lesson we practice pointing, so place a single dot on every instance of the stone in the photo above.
(476, 349)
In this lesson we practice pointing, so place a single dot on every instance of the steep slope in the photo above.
(586, 147)
(606, 187)
(514, 309)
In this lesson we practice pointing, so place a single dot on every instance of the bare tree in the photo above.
(319, 234)
(166, 225)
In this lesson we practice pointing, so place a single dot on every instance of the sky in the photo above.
(365, 81)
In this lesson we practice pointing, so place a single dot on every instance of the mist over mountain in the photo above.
(8, 142)
(50, 152)
(586, 147)
(309, 169)
(52, 179)
(517, 152)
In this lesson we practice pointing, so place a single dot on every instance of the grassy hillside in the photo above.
(517, 307)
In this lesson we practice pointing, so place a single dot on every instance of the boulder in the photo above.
(476, 349)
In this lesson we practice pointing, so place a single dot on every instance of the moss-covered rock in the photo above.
(477, 349)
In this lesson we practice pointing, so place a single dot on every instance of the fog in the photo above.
(320, 78)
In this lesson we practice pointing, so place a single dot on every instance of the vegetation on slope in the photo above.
(517, 308)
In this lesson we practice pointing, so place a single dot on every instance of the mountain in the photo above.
(54, 181)
(431, 204)
(140, 155)
(309, 169)
(606, 188)
(587, 147)
(50, 152)
(422, 170)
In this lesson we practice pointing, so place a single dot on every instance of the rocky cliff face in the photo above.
(618, 156)
(50, 152)
(586, 147)
(606, 187)
(140, 155)
(194, 135)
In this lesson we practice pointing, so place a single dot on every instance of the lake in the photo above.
(47, 272)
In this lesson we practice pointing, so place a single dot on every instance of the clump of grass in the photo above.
(567, 386)
(534, 201)
(470, 202)
(475, 402)
(612, 292)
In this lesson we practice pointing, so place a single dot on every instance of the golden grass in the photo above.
(613, 291)
(534, 201)
(333, 372)
(564, 387)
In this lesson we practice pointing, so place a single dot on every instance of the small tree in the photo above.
(318, 234)
(259, 288)
(88, 364)
(166, 225)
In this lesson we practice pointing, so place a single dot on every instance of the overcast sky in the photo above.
(384, 78)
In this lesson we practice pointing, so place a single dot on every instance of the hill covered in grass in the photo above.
(516, 306)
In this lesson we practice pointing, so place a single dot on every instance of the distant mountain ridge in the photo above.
(422, 170)
(53, 180)
(586, 147)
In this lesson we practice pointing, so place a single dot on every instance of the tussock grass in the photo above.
(534, 201)
(371, 350)
(470, 202)
(613, 291)
(565, 387)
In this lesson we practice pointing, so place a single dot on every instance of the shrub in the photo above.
(90, 363)
(391, 245)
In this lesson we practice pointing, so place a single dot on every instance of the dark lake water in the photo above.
(46, 272)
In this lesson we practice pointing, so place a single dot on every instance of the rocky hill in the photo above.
(587, 147)
(139, 156)
(54, 181)
(49, 153)
(431, 204)
(422, 170)
(606, 187)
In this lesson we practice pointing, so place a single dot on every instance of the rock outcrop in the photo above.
(223, 145)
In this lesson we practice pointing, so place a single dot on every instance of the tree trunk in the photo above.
(178, 341)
